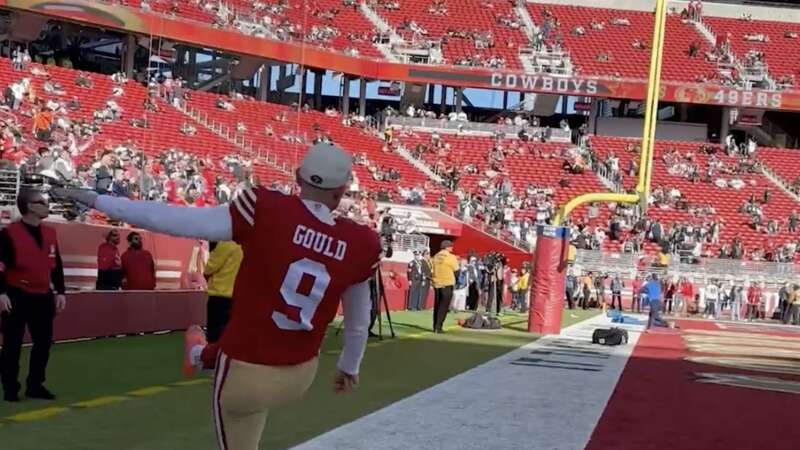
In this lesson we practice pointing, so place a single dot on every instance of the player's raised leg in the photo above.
(245, 393)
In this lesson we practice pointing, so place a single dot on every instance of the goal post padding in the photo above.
(549, 272)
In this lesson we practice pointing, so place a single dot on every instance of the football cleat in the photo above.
(194, 337)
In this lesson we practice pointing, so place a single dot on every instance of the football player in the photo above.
(299, 261)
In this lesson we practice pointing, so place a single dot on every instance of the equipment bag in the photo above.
(480, 321)
(610, 336)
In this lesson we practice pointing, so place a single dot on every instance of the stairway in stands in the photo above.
(276, 171)
(294, 130)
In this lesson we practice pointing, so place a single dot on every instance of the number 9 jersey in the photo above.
(298, 260)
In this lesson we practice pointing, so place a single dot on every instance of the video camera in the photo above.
(494, 259)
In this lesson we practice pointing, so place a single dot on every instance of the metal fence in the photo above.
(771, 273)
(9, 187)
(457, 126)
(407, 242)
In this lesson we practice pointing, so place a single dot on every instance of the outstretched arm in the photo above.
(211, 224)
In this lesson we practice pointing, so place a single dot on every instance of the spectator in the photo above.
(616, 291)
(138, 267)
(571, 288)
(43, 124)
(712, 297)
(793, 314)
(109, 264)
(754, 299)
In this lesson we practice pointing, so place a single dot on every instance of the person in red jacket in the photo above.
(138, 267)
(109, 264)
(687, 295)
(30, 271)
(636, 299)
(754, 297)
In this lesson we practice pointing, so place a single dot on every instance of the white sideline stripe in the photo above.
(73, 272)
(77, 272)
(497, 405)
(167, 274)
(83, 259)
(174, 263)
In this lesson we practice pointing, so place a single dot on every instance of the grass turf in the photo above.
(180, 417)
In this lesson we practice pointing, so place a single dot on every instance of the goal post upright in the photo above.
(550, 256)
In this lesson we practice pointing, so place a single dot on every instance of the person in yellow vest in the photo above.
(221, 269)
(572, 253)
(444, 267)
(523, 287)
(663, 259)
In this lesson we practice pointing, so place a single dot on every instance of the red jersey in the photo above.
(297, 263)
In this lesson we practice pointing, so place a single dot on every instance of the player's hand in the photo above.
(61, 303)
(83, 196)
(344, 382)
(5, 303)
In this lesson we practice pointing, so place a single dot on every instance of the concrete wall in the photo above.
(632, 127)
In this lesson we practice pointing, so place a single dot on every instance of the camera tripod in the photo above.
(378, 302)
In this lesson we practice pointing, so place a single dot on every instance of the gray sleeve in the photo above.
(210, 224)
(356, 306)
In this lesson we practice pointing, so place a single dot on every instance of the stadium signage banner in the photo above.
(544, 84)
(148, 23)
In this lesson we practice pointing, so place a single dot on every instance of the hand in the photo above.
(83, 196)
(5, 303)
(344, 382)
(61, 303)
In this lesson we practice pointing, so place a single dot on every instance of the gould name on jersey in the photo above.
(319, 242)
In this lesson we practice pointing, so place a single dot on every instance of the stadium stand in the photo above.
(471, 32)
(602, 41)
(776, 41)
(292, 130)
(672, 165)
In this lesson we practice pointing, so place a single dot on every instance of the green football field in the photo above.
(127, 393)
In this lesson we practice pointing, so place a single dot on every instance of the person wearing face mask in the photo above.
(109, 264)
(138, 267)
(416, 278)
(30, 264)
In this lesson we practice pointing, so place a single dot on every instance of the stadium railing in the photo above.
(9, 187)
(457, 126)
(771, 273)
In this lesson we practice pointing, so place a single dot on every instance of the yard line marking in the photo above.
(99, 401)
(44, 413)
(144, 392)
(37, 414)
(192, 382)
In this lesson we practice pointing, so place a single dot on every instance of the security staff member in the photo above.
(221, 269)
(427, 274)
(30, 264)
(444, 266)
(416, 277)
